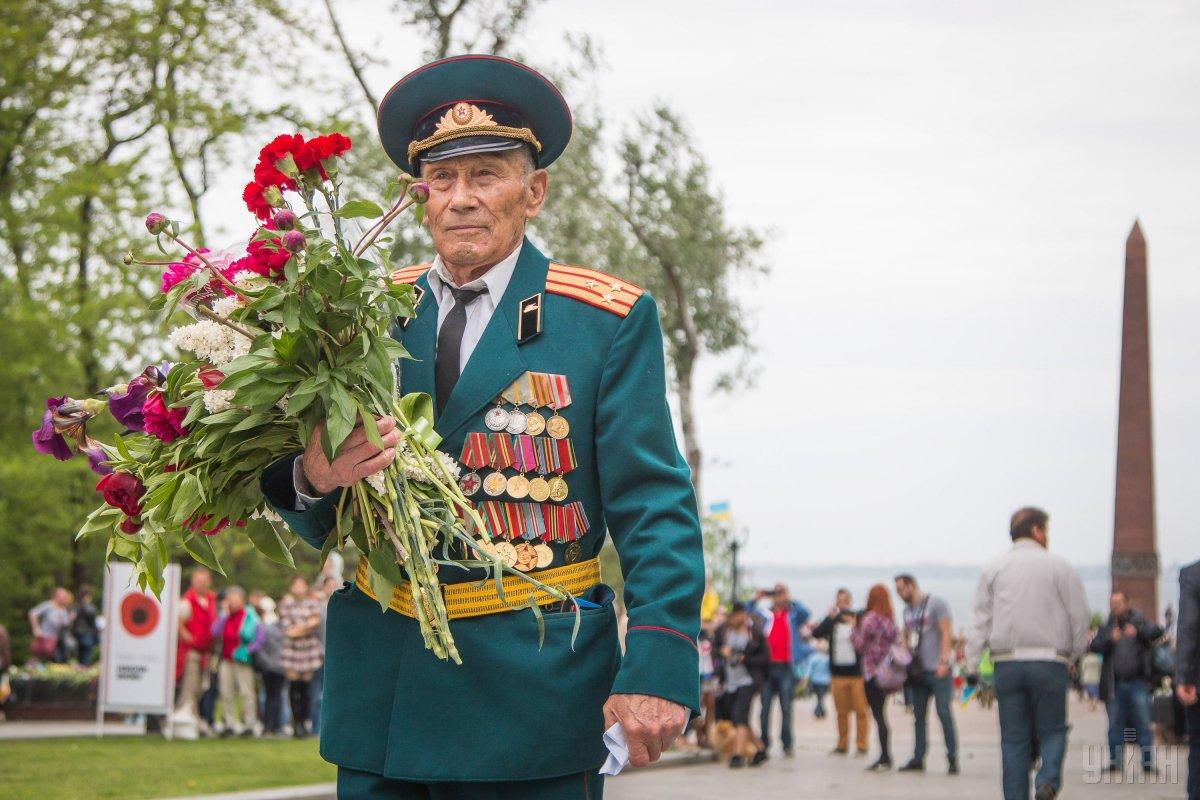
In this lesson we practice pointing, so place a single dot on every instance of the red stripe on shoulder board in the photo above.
(683, 636)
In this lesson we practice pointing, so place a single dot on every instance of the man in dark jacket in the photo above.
(1187, 667)
(1126, 641)
(845, 666)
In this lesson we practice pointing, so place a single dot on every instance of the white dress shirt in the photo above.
(479, 314)
(1029, 606)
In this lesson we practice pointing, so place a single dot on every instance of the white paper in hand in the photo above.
(618, 750)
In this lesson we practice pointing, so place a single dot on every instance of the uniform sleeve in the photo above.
(650, 512)
(312, 524)
(1186, 657)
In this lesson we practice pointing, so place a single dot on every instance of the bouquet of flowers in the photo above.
(290, 338)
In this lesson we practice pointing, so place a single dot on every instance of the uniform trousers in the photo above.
(355, 784)
(850, 697)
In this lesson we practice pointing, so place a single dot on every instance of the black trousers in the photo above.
(1192, 713)
(298, 698)
(877, 700)
(273, 683)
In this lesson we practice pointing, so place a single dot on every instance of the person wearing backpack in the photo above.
(873, 637)
(1031, 612)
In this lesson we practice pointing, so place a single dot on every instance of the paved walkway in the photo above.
(812, 773)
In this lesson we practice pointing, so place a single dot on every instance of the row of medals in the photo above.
(525, 556)
(516, 422)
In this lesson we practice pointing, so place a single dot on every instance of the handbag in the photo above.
(43, 647)
(915, 671)
(893, 670)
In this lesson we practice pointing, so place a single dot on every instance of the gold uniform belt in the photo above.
(470, 599)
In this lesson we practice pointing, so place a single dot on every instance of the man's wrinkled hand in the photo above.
(356, 458)
(650, 724)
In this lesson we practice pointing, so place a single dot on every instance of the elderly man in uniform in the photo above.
(551, 376)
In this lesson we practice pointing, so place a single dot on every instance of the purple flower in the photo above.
(156, 223)
(47, 439)
(96, 458)
(125, 401)
(294, 241)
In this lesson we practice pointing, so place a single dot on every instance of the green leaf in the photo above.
(253, 421)
(269, 543)
(417, 409)
(359, 208)
(103, 518)
(370, 427)
(200, 548)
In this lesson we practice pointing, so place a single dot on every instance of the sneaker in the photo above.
(912, 766)
(788, 752)
(759, 758)
(736, 762)
(860, 753)
(882, 765)
(838, 751)
(953, 770)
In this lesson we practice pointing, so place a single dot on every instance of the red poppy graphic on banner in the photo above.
(139, 614)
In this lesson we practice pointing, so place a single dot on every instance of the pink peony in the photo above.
(165, 424)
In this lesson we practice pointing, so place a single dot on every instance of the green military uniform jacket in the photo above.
(512, 710)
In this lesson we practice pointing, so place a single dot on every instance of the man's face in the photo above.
(905, 590)
(782, 598)
(479, 204)
(843, 599)
(1118, 604)
(201, 581)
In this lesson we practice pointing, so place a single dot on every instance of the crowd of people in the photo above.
(771, 649)
(245, 664)
(240, 654)
(1031, 639)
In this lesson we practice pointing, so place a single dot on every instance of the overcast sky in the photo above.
(949, 187)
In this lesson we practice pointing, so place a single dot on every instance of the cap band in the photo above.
(465, 119)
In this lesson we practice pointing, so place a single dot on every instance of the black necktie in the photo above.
(449, 344)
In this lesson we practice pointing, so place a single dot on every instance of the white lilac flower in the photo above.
(250, 281)
(218, 400)
(211, 341)
(225, 306)
(375, 479)
(449, 463)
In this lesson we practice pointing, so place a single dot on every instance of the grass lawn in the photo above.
(149, 767)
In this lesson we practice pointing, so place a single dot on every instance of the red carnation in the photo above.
(266, 171)
(321, 149)
(165, 424)
(258, 205)
(122, 490)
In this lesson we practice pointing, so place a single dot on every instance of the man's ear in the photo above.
(536, 186)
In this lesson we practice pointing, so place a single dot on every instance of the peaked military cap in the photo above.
(472, 104)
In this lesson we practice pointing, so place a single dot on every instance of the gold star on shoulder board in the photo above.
(591, 283)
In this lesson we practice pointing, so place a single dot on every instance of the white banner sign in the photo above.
(137, 671)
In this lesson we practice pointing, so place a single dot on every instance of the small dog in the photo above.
(723, 736)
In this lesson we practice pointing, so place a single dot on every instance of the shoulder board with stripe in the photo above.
(593, 287)
(409, 274)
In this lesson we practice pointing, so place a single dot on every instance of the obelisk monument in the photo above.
(1135, 554)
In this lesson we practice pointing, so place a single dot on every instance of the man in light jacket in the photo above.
(1030, 610)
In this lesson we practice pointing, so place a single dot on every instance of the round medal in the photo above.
(558, 427)
(545, 555)
(535, 423)
(573, 552)
(494, 484)
(507, 554)
(516, 422)
(558, 488)
(496, 419)
(539, 489)
(518, 486)
(526, 557)
(487, 547)
(470, 483)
